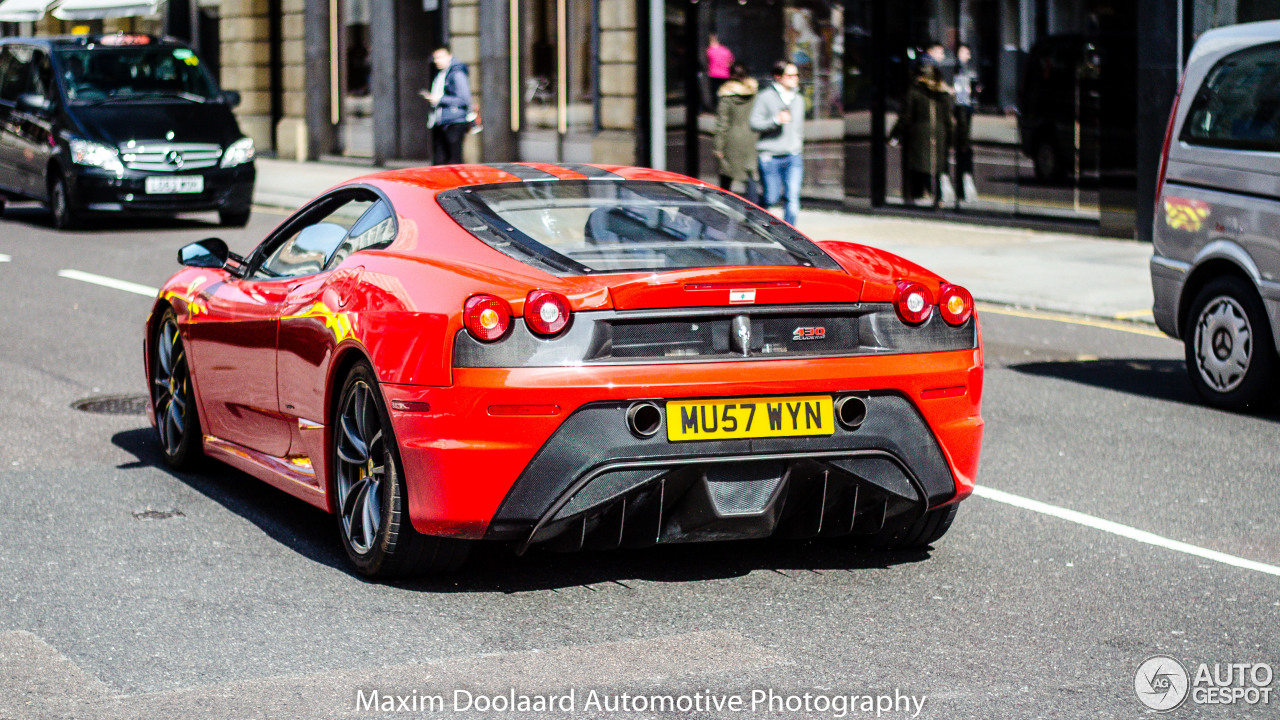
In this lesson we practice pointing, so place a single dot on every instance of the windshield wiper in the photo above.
(113, 97)
(172, 93)
(101, 100)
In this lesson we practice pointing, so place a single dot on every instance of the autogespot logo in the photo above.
(1161, 683)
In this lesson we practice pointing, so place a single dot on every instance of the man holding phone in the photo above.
(778, 115)
(450, 98)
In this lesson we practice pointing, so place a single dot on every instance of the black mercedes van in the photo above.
(111, 124)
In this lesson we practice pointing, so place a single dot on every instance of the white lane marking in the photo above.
(113, 283)
(5, 258)
(1125, 531)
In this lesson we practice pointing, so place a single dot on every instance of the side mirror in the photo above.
(33, 103)
(231, 97)
(207, 253)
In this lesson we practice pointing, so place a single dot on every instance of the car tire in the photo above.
(234, 218)
(64, 217)
(177, 421)
(369, 493)
(1231, 356)
(924, 531)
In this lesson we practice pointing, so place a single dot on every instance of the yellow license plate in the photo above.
(749, 418)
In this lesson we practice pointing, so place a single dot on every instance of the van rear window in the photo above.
(605, 226)
(1238, 105)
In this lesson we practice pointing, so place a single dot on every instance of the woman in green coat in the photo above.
(925, 129)
(735, 141)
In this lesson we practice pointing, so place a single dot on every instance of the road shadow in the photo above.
(36, 215)
(1155, 379)
(293, 523)
(494, 567)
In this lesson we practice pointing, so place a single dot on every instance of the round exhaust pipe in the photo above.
(644, 419)
(851, 411)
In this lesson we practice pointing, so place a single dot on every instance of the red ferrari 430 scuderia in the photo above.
(575, 356)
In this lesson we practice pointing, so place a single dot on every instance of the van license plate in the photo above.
(750, 418)
(160, 185)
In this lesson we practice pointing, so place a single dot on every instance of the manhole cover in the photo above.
(113, 404)
(149, 514)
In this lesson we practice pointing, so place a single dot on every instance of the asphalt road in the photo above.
(127, 591)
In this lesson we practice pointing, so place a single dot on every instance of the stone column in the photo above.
(464, 40)
(498, 143)
(246, 56)
(319, 126)
(616, 142)
(292, 130)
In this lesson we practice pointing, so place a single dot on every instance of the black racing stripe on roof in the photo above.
(591, 171)
(524, 172)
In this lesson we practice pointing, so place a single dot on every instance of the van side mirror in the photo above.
(207, 253)
(33, 103)
(231, 97)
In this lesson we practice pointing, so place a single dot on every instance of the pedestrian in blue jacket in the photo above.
(450, 98)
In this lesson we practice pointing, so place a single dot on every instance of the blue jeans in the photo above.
(782, 175)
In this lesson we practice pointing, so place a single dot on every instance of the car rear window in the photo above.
(607, 226)
(1238, 105)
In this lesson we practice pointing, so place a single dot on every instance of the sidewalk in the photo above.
(1079, 274)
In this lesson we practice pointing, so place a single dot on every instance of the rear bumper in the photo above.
(1167, 279)
(595, 484)
(474, 472)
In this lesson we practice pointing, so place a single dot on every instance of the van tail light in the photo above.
(486, 317)
(913, 302)
(546, 312)
(955, 304)
(1168, 140)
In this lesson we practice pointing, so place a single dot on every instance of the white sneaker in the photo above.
(970, 187)
(946, 192)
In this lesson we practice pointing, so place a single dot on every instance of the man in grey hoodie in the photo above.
(778, 115)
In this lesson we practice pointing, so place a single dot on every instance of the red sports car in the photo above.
(574, 356)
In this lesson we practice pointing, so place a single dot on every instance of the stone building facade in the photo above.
(1067, 97)
(339, 78)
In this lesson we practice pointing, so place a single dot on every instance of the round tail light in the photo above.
(486, 317)
(955, 304)
(546, 312)
(913, 301)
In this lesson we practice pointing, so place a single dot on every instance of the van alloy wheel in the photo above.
(64, 217)
(1224, 344)
(1230, 351)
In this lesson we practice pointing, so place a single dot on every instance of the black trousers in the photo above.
(446, 143)
(750, 194)
(964, 141)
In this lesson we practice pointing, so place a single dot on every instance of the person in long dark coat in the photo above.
(925, 129)
(735, 141)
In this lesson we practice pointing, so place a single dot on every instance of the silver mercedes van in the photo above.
(1216, 265)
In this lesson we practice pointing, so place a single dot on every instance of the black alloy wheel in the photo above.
(64, 218)
(1231, 355)
(177, 422)
(369, 490)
